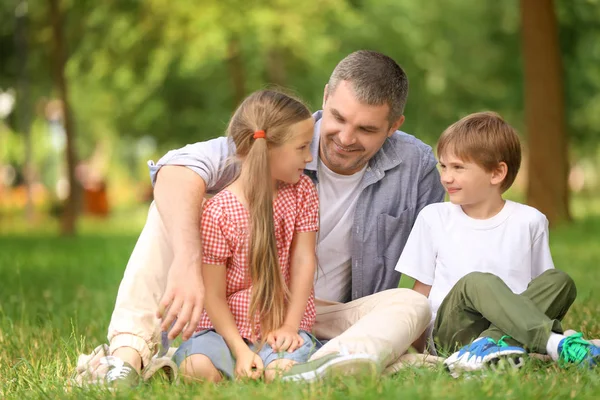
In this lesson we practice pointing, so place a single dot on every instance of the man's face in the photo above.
(351, 131)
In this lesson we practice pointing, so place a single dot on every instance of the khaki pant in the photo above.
(383, 324)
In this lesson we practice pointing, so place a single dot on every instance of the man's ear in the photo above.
(325, 94)
(395, 126)
(499, 173)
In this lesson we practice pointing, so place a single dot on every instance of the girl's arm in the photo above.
(247, 363)
(218, 310)
(303, 262)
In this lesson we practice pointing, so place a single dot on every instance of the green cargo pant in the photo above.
(481, 305)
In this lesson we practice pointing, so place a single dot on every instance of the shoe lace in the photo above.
(574, 349)
(480, 346)
(502, 343)
(118, 371)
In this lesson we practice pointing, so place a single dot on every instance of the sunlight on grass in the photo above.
(58, 293)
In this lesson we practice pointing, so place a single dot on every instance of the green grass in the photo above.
(57, 294)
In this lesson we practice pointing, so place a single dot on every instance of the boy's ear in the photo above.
(499, 173)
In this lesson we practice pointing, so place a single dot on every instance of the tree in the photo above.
(70, 213)
(547, 188)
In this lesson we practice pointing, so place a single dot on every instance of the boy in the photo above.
(484, 262)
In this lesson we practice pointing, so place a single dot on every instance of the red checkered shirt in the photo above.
(225, 241)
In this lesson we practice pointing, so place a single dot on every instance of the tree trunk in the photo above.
(70, 213)
(547, 188)
(236, 71)
(24, 104)
(276, 66)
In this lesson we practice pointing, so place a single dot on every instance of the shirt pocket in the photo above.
(392, 234)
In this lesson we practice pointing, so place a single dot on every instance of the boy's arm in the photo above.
(419, 344)
(418, 261)
(422, 288)
(302, 272)
(181, 179)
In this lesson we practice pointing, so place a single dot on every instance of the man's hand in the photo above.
(248, 365)
(183, 299)
(285, 338)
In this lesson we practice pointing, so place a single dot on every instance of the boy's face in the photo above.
(466, 182)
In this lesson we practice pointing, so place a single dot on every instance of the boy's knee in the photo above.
(477, 279)
(560, 281)
(199, 367)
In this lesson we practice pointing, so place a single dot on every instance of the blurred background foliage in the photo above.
(147, 76)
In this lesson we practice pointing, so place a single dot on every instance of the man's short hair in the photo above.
(376, 80)
(485, 139)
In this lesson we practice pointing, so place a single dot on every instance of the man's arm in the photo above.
(181, 179)
(178, 195)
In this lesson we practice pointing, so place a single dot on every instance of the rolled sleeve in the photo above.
(211, 160)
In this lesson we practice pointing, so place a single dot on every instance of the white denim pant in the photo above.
(384, 324)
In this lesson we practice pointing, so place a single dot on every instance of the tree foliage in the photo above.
(176, 70)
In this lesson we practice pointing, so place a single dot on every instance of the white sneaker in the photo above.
(333, 365)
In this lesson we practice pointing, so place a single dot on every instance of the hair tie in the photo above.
(260, 135)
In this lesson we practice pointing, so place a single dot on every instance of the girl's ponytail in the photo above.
(269, 291)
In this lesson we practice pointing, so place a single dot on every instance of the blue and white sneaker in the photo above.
(483, 353)
(575, 350)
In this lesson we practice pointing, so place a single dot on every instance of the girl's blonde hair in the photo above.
(272, 112)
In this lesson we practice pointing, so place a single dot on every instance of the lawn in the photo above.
(57, 294)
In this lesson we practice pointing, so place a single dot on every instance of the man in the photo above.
(372, 181)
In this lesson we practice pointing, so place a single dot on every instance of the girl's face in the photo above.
(289, 160)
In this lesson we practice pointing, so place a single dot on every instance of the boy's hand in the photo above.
(248, 365)
(285, 338)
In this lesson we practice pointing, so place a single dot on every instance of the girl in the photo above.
(258, 238)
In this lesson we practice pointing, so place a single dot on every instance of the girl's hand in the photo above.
(248, 365)
(285, 338)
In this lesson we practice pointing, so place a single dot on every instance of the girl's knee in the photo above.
(198, 367)
(277, 368)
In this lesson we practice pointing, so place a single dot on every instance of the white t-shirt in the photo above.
(337, 201)
(445, 244)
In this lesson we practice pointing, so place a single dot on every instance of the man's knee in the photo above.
(408, 297)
